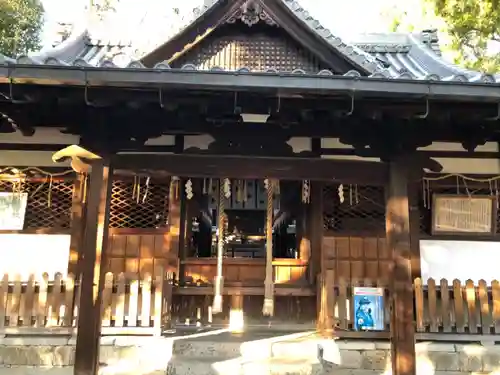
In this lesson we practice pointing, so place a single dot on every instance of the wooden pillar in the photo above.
(315, 228)
(174, 223)
(401, 283)
(192, 208)
(77, 223)
(321, 265)
(414, 230)
(268, 306)
(303, 240)
(95, 241)
(182, 251)
(221, 243)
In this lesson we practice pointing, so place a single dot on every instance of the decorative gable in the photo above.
(250, 40)
(251, 13)
(304, 41)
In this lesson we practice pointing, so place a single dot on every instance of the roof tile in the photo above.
(108, 64)
(392, 55)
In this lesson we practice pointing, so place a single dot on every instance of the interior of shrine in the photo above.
(245, 219)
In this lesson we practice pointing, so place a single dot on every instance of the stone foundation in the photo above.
(56, 355)
(432, 358)
(277, 355)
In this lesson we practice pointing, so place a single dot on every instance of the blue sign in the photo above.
(368, 309)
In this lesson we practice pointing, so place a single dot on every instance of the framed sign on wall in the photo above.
(463, 214)
(12, 210)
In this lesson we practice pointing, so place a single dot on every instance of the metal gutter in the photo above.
(235, 81)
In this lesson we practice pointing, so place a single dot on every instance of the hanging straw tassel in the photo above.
(134, 188)
(138, 192)
(219, 279)
(146, 191)
(49, 194)
(268, 307)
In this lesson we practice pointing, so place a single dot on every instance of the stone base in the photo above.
(302, 356)
(363, 358)
(239, 355)
(56, 355)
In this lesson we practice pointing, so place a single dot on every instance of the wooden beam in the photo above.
(346, 171)
(229, 290)
(30, 147)
(432, 154)
(95, 241)
(401, 284)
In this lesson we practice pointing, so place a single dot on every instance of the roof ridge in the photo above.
(74, 42)
(426, 53)
(168, 31)
(351, 51)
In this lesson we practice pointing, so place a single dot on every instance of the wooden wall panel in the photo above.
(137, 254)
(358, 258)
(247, 271)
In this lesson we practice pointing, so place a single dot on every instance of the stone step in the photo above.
(282, 366)
(247, 346)
(206, 349)
(240, 366)
(304, 349)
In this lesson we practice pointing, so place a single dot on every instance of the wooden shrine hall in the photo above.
(240, 146)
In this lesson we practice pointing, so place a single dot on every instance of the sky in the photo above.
(342, 16)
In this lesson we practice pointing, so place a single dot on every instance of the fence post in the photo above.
(158, 301)
(75, 310)
(69, 300)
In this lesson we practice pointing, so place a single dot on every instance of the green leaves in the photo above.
(104, 7)
(20, 25)
(474, 25)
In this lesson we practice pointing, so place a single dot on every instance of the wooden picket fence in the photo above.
(440, 308)
(137, 305)
(142, 306)
(457, 307)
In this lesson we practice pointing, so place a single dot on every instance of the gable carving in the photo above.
(251, 13)
(258, 48)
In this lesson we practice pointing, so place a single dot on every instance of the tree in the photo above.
(474, 27)
(21, 22)
(104, 7)
(412, 16)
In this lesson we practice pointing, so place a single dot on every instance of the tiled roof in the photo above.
(415, 55)
(391, 55)
(100, 44)
(26, 60)
(355, 54)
